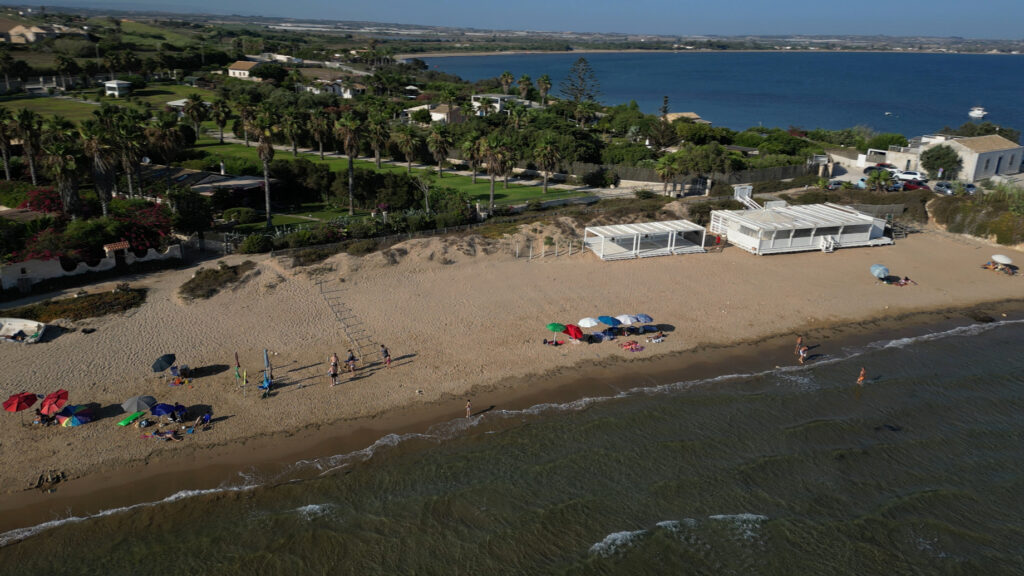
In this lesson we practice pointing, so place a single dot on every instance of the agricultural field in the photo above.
(46, 106)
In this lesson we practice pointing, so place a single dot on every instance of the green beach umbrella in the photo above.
(556, 327)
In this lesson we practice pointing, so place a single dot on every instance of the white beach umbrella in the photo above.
(628, 319)
(1000, 259)
(588, 322)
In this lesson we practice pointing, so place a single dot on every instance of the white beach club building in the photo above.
(644, 239)
(776, 229)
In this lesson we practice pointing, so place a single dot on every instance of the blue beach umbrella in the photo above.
(879, 271)
(644, 318)
(609, 321)
(161, 409)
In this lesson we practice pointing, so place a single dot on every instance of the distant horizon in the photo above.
(934, 19)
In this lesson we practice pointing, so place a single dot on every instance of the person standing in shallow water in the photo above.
(860, 379)
(469, 409)
(799, 343)
(803, 354)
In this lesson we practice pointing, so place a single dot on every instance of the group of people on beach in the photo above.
(350, 363)
(802, 349)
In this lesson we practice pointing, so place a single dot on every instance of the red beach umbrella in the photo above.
(573, 331)
(19, 402)
(54, 402)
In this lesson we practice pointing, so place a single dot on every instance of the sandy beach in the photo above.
(462, 319)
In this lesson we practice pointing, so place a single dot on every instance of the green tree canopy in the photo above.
(580, 84)
(883, 141)
(942, 156)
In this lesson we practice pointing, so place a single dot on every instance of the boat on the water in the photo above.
(977, 112)
(21, 331)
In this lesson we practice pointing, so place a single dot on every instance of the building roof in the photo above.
(990, 143)
(118, 83)
(243, 65)
(799, 217)
(620, 230)
(122, 245)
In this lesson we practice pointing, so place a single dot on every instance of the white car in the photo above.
(911, 175)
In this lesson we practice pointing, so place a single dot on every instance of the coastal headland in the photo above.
(463, 319)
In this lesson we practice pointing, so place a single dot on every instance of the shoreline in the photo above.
(422, 55)
(272, 455)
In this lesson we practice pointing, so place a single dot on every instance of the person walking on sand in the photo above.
(860, 379)
(799, 343)
(351, 363)
(386, 356)
(333, 370)
(469, 409)
(803, 354)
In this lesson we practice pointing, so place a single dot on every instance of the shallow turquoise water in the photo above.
(793, 471)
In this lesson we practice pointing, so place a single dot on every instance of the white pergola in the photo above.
(779, 229)
(644, 239)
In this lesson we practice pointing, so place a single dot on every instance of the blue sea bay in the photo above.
(921, 92)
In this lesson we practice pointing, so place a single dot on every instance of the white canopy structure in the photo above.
(644, 239)
(778, 229)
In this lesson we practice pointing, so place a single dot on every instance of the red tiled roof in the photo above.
(122, 245)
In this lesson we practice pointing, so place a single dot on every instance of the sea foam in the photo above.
(616, 542)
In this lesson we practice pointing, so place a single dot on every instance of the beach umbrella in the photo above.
(163, 363)
(161, 409)
(1000, 259)
(644, 318)
(556, 327)
(54, 402)
(588, 322)
(138, 404)
(573, 331)
(609, 321)
(19, 402)
(879, 271)
(178, 408)
(627, 319)
(74, 416)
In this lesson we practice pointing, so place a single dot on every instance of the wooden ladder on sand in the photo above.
(351, 324)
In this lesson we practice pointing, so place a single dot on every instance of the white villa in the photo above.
(241, 69)
(777, 229)
(644, 239)
(117, 88)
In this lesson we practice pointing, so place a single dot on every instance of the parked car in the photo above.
(911, 175)
(887, 166)
(970, 189)
(915, 185)
(895, 186)
(944, 188)
(834, 185)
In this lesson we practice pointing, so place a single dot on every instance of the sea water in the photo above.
(796, 470)
(911, 94)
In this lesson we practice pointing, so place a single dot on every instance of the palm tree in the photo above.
(220, 113)
(66, 67)
(320, 127)
(667, 168)
(524, 85)
(28, 125)
(6, 65)
(347, 129)
(516, 114)
(484, 106)
(439, 142)
(506, 80)
(245, 108)
(508, 156)
(547, 157)
(293, 126)
(488, 153)
(543, 86)
(263, 123)
(130, 132)
(585, 110)
(196, 111)
(377, 132)
(164, 137)
(60, 153)
(98, 147)
(6, 131)
(406, 140)
(471, 152)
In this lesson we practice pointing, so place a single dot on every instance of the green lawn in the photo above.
(515, 194)
(154, 96)
(45, 106)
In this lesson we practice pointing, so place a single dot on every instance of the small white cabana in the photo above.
(644, 239)
(779, 229)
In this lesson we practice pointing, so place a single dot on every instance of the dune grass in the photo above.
(88, 306)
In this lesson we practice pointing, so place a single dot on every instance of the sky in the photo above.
(995, 19)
